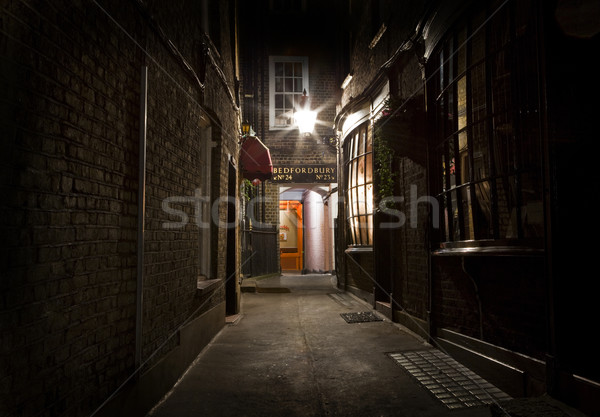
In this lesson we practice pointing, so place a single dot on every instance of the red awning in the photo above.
(255, 159)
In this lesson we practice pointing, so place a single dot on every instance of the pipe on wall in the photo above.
(141, 213)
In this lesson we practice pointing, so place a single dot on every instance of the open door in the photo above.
(290, 235)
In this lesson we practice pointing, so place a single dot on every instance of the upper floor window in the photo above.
(488, 162)
(288, 78)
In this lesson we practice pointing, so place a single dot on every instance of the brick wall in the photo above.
(512, 313)
(70, 82)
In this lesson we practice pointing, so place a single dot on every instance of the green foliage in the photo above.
(246, 189)
(384, 155)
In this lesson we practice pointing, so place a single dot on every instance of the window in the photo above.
(288, 78)
(358, 147)
(487, 130)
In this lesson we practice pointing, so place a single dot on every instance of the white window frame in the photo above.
(284, 59)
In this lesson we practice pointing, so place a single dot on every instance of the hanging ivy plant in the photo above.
(246, 189)
(384, 156)
(383, 166)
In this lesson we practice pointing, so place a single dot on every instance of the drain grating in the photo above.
(450, 382)
(362, 317)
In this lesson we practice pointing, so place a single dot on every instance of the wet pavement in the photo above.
(292, 353)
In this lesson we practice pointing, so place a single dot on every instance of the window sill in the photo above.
(359, 249)
(207, 285)
(490, 248)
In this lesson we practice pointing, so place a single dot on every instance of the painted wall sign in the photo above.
(305, 173)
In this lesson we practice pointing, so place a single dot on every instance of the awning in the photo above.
(255, 159)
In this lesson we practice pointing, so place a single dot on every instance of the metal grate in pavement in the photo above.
(362, 317)
(450, 382)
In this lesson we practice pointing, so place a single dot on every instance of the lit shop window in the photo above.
(288, 78)
(487, 125)
(358, 147)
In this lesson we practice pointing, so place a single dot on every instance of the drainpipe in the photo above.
(141, 214)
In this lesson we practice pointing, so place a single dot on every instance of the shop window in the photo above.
(358, 147)
(484, 83)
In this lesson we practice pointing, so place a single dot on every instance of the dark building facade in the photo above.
(464, 153)
(119, 137)
(447, 180)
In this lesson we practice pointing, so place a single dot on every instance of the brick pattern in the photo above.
(511, 297)
(70, 128)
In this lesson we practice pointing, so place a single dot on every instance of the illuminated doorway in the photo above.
(290, 235)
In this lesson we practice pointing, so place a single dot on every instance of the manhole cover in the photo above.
(361, 317)
(453, 384)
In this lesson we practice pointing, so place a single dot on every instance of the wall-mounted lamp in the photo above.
(245, 128)
(305, 118)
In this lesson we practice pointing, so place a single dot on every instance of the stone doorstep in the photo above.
(248, 285)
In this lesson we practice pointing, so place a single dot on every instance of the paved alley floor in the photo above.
(293, 354)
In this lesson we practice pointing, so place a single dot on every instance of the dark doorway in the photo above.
(231, 296)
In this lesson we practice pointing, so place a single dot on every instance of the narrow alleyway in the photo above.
(292, 353)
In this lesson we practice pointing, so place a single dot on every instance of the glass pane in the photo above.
(369, 168)
(532, 210)
(354, 227)
(354, 164)
(505, 155)
(478, 38)
(480, 151)
(445, 166)
(444, 203)
(289, 84)
(482, 210)
(289, 69)
(361, 170)
(298, 85)
(289, 102)
(279, 69)
(355, 201)
(461, 98)
(370, 229)
(452, 158)
(369, 198)
(461, 53)
(279, 84)
(465, 173)
(279, 101)
(508, 214)
(499, 32)
(361, 142)
(454, 216)
(364, 234)
(478, 103)
(450, 62)
(450, 125)
(468, 230)
(361, 200)
(369, 139)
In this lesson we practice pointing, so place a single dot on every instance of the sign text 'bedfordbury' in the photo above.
(305, 173)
